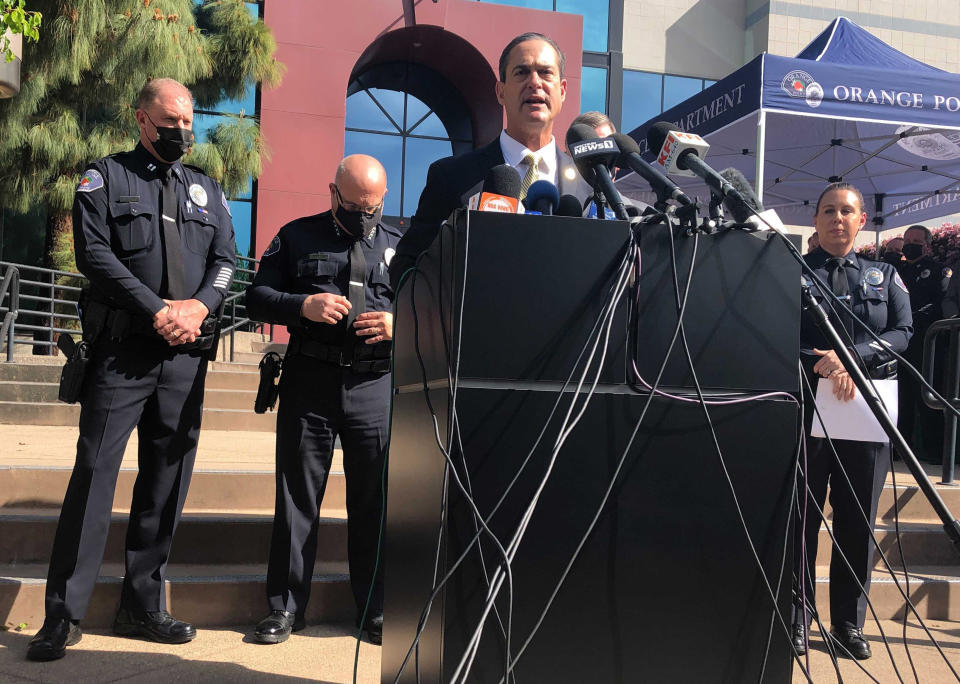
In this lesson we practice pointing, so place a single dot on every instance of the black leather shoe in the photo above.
(799, 639)
(374, 629)
(852, 643)
(154, 625)
(276, 627)
(51, 642)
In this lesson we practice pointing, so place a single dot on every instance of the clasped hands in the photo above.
(178, 322)
(829, 366)
(324, 307)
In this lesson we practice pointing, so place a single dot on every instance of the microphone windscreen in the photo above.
(580, 132)
(542, 191)
(502, 180)
(658, 134)
(569, 206)
(626, 144)
(741, 185)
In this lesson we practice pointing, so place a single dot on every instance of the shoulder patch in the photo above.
(272, 248)
(90, 181)
(899, 282)
(223, 201)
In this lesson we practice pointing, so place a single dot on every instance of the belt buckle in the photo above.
(343, 361)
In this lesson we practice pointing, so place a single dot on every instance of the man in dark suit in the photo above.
(531, 90)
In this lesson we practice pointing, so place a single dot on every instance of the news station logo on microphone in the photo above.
(676, 144)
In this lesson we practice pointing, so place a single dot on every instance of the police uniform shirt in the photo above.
(311, 255)
(878, 297)
(117, 231)
(927, 281)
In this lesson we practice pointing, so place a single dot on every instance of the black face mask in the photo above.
(356, 223)
(912, 252)
(172, 141)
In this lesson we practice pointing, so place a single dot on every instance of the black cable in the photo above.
(466, 551)
(903, 561)
(565, 431)
(879, 550)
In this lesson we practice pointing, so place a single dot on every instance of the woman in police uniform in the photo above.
(877, 296)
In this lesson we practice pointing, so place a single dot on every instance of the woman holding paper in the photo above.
(878, 298)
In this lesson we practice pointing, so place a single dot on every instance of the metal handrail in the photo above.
(11, 284)
(950, 391)
(47, 299)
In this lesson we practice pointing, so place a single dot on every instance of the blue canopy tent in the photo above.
(848, 107)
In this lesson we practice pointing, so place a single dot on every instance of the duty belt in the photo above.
(119, 324)
(329, 353)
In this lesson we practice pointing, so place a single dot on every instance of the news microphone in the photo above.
(680, 154)
(569, 206)
(542, 196)
(500, 193)
(593, 157)
(741, 210)
(630, 158)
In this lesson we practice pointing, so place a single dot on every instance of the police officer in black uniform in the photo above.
(155, 239)
(877, 297)
(325, 277)
(927, 280)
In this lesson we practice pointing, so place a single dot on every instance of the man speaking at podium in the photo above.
(531, 90)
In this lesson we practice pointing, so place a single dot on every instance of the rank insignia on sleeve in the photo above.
(90, 181)
(272, 248)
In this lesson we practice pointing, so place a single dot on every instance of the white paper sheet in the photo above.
(853, 419)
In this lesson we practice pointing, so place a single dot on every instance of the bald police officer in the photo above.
(325, 277)
(155, 239)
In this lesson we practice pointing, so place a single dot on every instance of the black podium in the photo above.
(666, 588)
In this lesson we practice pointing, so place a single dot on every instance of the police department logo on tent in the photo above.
(801, 84)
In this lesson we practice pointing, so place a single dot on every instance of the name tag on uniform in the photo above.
(128, 199)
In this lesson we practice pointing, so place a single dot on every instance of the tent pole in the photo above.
(878, 219)
(761, 148)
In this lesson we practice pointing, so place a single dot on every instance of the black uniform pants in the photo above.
(866, 465)
(137, 383)
(318, 402)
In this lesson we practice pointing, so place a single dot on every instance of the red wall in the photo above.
(303, 119)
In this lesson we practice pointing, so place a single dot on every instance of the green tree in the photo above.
(17, 20)
(81, 79)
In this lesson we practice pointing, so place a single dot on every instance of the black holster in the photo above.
(93, 316)
(269, 388)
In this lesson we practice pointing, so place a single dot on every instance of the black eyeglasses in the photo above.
(350, 206)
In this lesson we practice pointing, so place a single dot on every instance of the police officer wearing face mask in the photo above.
(155, 239)
(927, 281)
(325, 278)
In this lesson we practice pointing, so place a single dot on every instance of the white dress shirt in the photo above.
(514, 153)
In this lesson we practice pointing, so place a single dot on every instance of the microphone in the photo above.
(741, 211)
(593, 157)
(501, 189)
(569, 206)
(542, 197)
(630, 157)
(680, 154)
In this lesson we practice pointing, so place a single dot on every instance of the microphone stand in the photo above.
(950, 524)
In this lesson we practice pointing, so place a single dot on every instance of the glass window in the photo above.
(676, 89)
(388, 149)
(593, 90)
(420, 154)
(203, 125)
(363, 112)
(707, 83)
(641, 98)
(242, 213)
(595, 21)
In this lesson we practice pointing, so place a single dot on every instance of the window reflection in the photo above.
(676, 89)
(406, 146)
(593, 90)
(595, 19)
(641, 98)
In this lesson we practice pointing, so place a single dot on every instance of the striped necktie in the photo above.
(533, 165)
